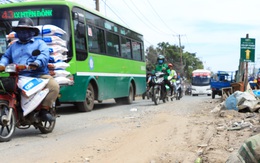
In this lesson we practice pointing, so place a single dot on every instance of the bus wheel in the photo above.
(128, 99)
(88, 104)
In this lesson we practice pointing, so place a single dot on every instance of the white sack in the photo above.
(61, 65)
(52, 40)
(252, 105)
(63, 80)
(61, 73)
(49, 29)
(11, 36)
(242, 96)
(58, 57)
(30, 103)
(246, 100)
(30, 85)
(57, 49)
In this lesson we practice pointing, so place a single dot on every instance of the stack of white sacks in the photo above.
(57, 46)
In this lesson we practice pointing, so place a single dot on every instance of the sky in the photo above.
(210, 28)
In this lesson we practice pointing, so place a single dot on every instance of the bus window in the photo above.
(126, 48)
(200, 81)
(137, 54)
(96, 40)
(112, 44)
(111, 26)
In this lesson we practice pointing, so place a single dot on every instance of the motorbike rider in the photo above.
(181, 82)
(162, 67)
(148, 85)
(20, 53)
(173, 76)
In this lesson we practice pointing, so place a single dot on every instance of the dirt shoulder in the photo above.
(169, 136)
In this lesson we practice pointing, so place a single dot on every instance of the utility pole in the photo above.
(181, 62)
(97, 5)
(180, 52)
(246, 73)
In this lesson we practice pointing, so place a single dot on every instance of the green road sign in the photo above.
(247, 50)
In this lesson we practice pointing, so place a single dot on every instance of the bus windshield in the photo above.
(41, 15)
(200, 81)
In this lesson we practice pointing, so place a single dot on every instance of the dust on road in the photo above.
(179, 132)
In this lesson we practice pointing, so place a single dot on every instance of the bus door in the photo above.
(80, 35)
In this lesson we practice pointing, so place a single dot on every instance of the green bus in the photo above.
(106, 59)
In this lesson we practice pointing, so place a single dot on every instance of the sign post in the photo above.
(247, 49)
(247, 54)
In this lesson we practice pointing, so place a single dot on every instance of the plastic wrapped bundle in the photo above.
(50, 30)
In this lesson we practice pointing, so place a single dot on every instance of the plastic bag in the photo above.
(231, 103)
(30, 85)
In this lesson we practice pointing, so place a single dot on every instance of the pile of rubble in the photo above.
(249, 104)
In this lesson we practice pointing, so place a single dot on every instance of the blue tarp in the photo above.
(231, 103)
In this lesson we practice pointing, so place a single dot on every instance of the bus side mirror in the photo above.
(80, 27)
(81, 30)
(79, 17)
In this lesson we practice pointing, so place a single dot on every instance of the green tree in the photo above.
(173, 54)
(151, 58)
(191, 62)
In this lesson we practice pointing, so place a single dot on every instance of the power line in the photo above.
(115, 13)
(160, 17)
(189, 44)
(151, 27)
(148, 42)
(146, 18)
(121, 19)
(133, 11)
(154, 29)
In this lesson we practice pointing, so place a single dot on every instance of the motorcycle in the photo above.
(188, 91)
(178, 95)
(169, 96)
(156, 89)
(11, 113)
(146, 93)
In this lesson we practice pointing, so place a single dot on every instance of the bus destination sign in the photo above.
(201, 74)
(17, 14)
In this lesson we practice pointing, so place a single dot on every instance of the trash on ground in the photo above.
(133, 109)
(240, 125)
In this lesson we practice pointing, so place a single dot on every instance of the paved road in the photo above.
(73, 126)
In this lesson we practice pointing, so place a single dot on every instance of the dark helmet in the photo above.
(26, 23)
(160, 59)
